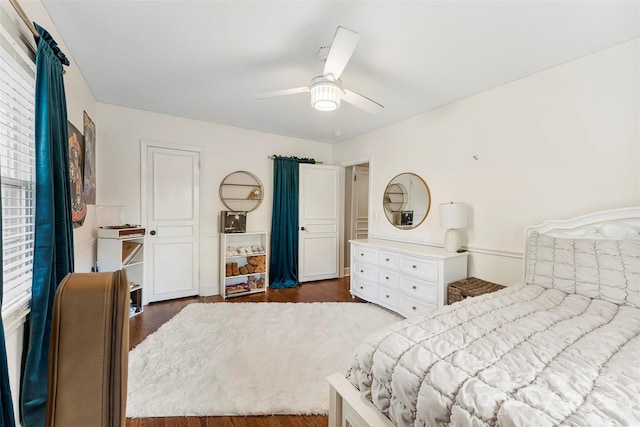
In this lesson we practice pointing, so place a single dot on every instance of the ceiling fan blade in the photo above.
(282, 92)
(342, 47)
(361, 102)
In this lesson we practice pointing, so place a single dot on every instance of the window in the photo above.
(17, 171)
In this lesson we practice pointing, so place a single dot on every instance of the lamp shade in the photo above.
(453, 215)
(325, 96)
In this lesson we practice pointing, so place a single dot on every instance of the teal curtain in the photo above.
(53, 248)
(7, 418)
(283, 264)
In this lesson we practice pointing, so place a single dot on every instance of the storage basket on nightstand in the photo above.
(469, 287)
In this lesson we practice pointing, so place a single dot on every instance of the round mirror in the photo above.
(406, 201)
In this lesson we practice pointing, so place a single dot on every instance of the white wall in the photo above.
(556, 144)
(224, 149)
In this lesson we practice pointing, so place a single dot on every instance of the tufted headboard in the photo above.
(623, 223)
(595, 255)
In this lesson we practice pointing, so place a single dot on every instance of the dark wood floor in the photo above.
(156, 314)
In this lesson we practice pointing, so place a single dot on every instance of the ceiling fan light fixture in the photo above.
(325, 94)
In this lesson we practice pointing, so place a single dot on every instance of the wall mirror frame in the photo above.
(406, 201)
(241, 191)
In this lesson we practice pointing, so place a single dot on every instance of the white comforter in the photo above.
(524, 356)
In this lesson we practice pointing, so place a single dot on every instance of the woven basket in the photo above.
(470, 287)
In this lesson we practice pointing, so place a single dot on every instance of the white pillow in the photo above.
(607, 269)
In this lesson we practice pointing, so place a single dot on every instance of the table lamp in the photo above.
(453, 216)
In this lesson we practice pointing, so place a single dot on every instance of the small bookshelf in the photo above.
(125, 252)
(244, 263)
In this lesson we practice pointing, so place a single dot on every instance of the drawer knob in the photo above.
(361, 287)
(414, 287)
(387, 296)
(361, 254)
(386, 259)
(387, 277)
(413, 308)
(414, 266)
(361, 271)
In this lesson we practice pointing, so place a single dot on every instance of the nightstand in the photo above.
(469, 287)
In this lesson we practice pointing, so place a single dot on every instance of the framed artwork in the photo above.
(76, 167)
(89, 160)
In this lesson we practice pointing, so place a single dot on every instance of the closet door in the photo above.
(172, 184)
(319, 212)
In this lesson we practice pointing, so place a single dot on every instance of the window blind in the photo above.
(17, 172)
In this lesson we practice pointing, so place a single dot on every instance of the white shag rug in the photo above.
(247, 358)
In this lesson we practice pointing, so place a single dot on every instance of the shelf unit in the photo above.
(241, 191)
(112, 254)
(242, 249)
(395, 197)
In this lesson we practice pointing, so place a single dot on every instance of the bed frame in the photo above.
(347, 408)
(593, 221)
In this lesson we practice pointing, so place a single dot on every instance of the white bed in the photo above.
(561, 349)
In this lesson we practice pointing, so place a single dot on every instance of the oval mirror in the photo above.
(406, 201)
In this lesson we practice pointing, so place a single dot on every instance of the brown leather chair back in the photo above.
(88, 356)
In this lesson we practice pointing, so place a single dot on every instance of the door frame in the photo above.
(354, 219)
(144, 145)
(341, 236)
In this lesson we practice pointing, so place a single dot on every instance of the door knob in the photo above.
(152, 232)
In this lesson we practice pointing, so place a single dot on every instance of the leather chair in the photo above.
(88, 355)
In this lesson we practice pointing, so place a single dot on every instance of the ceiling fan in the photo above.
(327, 90)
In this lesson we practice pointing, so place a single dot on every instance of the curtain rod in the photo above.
(24, 18)
(28, 23)
(273, 157)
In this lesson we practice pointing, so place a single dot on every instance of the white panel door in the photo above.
(360, 203)
(319, 187)
(172, 183)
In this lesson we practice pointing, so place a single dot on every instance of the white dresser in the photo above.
(407, 278)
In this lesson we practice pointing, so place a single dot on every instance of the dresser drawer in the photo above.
(410, 307)
(388, 278)
(388, 259)
(419, 289)
(388, 297)
(365, 271)
(366, 255)
(419, 267)
(364, 289)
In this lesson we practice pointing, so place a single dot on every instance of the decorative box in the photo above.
(233, 221)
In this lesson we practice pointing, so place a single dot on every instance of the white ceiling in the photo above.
(206, 60)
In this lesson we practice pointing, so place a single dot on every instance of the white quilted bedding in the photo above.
(524, 356)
